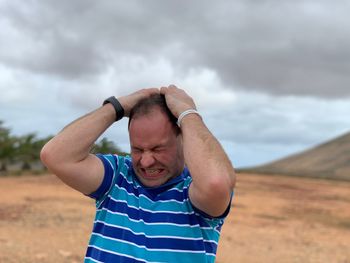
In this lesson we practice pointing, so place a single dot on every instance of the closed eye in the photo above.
(136, 150)
(158, 149)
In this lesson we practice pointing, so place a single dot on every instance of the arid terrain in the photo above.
(272, 219)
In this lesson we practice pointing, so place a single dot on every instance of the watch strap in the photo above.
(117, 107)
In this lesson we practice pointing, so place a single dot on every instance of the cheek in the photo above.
(166, 158)
(135, 157)
(161, 157)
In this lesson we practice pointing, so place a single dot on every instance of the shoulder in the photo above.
(116, 168)
(115, 162)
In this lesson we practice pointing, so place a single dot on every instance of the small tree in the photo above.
(25, 152)
(28, 149)
(7, 147)
(106, 146)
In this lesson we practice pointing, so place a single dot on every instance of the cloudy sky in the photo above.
(270, 77)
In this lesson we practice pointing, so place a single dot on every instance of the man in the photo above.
(165, 204)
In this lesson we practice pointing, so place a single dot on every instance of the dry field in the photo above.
(273, 219)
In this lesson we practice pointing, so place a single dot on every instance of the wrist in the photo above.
(119, 110)
(185, 114)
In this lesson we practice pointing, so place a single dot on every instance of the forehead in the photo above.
(151, 130)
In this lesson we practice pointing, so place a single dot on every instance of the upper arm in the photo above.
(85, 176)
(214, 200)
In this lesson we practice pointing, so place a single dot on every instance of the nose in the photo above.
(147, 159)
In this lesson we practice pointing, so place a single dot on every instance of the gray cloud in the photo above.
(291, 122)
(278, 47)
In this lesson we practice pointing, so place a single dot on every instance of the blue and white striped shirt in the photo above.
(138, 224)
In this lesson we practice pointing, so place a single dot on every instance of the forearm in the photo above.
(212, 172)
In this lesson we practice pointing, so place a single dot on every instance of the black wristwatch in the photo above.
(117, 107)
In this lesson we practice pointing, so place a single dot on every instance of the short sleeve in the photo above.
(111, 168)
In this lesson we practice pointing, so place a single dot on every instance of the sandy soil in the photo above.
(273, 219)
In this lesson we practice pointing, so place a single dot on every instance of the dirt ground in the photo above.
(272, 219)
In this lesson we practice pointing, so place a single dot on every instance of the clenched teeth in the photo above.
(152, 171)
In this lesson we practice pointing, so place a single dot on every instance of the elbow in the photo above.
(216, 197)
(45, 156)
(225, 181)
(232, 180)
(230, 176)
(220, 187)
(51, 160)
(223, 184)
(48, 156)
(213, 195)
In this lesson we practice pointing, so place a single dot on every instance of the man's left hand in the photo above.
(177, 100)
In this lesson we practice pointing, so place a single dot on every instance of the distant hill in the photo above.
(330, 160)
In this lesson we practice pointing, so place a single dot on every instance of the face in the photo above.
(156, 150)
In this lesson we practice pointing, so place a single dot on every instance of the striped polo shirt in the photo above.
(134, 223)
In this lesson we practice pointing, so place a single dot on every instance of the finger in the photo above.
(154, 90)
(172, 86)
(148, 92)
(163, 90)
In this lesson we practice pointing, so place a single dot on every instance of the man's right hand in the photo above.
(129, 101)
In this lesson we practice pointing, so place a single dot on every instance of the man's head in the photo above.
(145, 106)
(156, 144)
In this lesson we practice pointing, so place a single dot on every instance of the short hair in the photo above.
(146, 105)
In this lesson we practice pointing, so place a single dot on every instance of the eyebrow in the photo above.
(160, 145)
